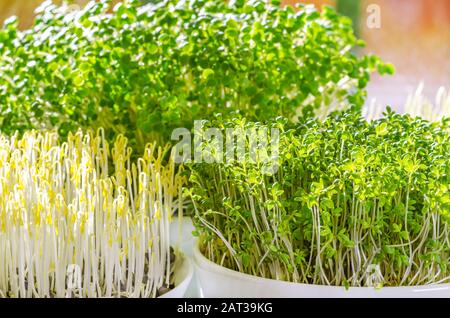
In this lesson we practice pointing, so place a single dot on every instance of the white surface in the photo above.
(217, 281)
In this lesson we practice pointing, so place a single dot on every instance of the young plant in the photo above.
(143, 71)
(353, 203)
(69, 227)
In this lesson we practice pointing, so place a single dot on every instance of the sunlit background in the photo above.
(414, 36)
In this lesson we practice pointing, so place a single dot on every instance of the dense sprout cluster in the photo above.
(352, 204)
(69, 227)
(142, 71)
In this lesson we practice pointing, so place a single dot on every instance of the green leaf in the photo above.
(246, 260)
(207, 73)
(386, 69)
(397, 227)
(78, 80)
(382, 130)
(389, 249)
(404, 235)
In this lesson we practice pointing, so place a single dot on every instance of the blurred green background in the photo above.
(414, 36)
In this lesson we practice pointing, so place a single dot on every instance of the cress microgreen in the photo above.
(353, 203)
(143, 71)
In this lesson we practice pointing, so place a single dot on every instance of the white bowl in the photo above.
(217, 281)
(182, 238)
(183, 271)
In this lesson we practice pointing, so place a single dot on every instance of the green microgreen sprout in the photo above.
(142, 71)
(353, 203)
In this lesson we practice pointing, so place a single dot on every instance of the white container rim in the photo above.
(204, 264)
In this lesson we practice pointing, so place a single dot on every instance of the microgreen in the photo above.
(143, 71)
(71, 228)
(353, 203)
